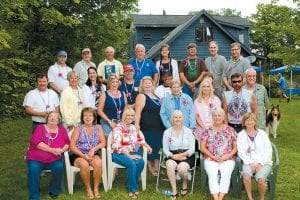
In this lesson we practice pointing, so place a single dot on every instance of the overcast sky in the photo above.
(182, 7)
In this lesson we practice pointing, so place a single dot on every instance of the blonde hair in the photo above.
(249, 116)
(200, 94)
(128, 111)
(173, 82)
(71, 73)
(110, 79)
(142, 83)
(109, 48)
(50, 113)
(218, 110)
(176, 113)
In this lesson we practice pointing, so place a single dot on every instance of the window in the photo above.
(241, 38)
(147, 37)
(203, 34)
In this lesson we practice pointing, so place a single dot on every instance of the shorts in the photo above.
(262, 174)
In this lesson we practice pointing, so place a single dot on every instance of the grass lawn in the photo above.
(15, 135)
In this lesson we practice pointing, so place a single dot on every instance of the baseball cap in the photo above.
(127, 67)
(86, 50)
(62, 53)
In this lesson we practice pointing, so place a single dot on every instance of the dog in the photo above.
(272, 121)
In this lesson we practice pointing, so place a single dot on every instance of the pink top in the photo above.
(205, 111)
(40, 135)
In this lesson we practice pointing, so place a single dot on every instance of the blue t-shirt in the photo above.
(143, 68)
(282, 84)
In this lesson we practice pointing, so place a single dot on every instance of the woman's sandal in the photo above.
(183, 192)
(174, 196)
(90, 195)
(132, 195)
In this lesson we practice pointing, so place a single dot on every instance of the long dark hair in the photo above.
(89, 82)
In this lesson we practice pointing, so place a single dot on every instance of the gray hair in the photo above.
(235, 44)
(176, 113)
(109, 48)
(249, 70)
(218, 111)
(140, 46)
(213, 42)
(71, 73)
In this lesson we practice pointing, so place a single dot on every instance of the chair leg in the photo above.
(157, 178)
(144, 177)
(272, 186)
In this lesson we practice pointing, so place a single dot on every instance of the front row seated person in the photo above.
(179, 148)
(87, 139)
(47, 144)
(126, 147)
(255, 150)
(218, 144)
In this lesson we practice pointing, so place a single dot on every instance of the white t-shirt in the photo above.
(162, 91)
(58, 75)
(90, 96)
(39, 101)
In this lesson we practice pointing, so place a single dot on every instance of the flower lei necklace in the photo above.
(47, 134)
(139, 69)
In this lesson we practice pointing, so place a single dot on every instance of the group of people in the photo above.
(209, 105)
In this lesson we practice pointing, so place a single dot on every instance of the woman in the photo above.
(260, 94)
(204, 105)
(255, 150)
(111, 105)
(47, 145)
(147, 119)
(218, 144)
(87, 139)
(179, 147)
(71, 102)
(166, 64)
(126, 143)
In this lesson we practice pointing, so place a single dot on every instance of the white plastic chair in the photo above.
(112, 166)
(72, 170)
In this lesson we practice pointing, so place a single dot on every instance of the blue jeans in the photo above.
(106, 127)
(134, 169)
(33, 174)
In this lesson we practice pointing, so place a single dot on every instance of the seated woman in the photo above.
(255, 150)
(126, 143)
(87, 139)
(47, 144)
(218, 144)
(179, 147)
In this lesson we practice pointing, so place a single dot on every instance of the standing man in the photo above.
(40, 101)
(237, 64)
(127, 85)
(81, 67)
(238, 102)
(143, 66)
(57, 73)
(216, 64)
(109, 66)
(282, 88)
(191, 71)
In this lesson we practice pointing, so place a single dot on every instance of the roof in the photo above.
(175, 20)
(179, 29)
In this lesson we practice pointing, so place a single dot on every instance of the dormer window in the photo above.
(147, 37)
(203, 34)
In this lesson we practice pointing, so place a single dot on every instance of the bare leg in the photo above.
(171, 167)
(150, 167)
(221, 196)
(85, 175)
(182, 169)
(97, 165)
(248, 185)
(261, 183)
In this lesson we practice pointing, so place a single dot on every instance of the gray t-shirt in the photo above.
(239, 66)
(216, 66)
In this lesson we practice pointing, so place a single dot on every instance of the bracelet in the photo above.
(109, 121)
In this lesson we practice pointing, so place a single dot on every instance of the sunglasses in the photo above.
(237, 81)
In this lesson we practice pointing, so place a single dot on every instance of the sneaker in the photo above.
(189, 177)
(288, 99)
(178, 178)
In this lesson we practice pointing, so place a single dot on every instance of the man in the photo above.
(191, 70)
(237, 64)
(177, 101)
(260, 94)
(127, 85)
(238, 102)
(81, 67)
(282, 88)
(40, 101)
(109, 66)
(57, 73)
(143, 66)
(216, 64)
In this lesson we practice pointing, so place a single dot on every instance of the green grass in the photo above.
(15, 135)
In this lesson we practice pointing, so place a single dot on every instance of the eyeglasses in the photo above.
(237, 81)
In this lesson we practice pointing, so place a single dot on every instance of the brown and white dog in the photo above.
(273, 119)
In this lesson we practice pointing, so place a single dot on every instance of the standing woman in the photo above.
(204, 105)
(71, 102)
(111, 105)
(47, 144)
(148, 120)
(166, 64)
(87, 139)
(92, 90)
(218, 144)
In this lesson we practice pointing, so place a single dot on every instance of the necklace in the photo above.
(47, 134)
(116, 106)
(129, 94)
(79, 102)
(47, 105)
(61, 71)
(173, 135)
(190, 66)
(87, 137)
(161, 67)
(251, 144)
(139, 69)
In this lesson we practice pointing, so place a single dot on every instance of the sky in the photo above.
(182, 7)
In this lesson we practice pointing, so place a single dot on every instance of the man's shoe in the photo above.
(53, 196)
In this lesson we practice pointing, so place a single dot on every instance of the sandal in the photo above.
(183, 192)
(97, 195)
(132, 195)
(90, 195)
(174, 196)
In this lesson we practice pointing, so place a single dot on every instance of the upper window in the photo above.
(147, 37)
(241, 38)
(204, 34)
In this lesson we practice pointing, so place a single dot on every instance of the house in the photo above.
(180, 30)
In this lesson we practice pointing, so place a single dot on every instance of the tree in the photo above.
(276, 33)
(220, 12)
